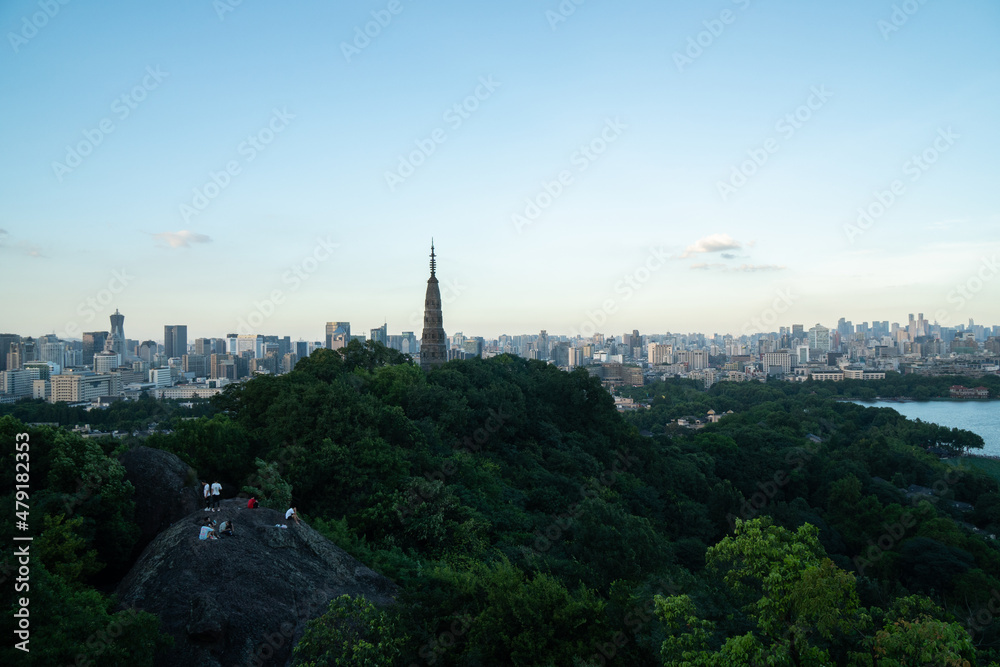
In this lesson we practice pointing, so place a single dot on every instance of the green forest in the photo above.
(527, 522)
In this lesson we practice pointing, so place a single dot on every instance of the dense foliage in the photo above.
(78, 509)
(529, 523)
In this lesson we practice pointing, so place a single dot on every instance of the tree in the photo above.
(785, 585)
(351, 632)
(268, 487)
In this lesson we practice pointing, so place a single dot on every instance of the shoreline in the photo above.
(907, 399)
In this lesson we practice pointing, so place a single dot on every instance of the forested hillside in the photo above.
(528, 523)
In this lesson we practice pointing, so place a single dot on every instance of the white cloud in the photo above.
(712, 243)
(182, 239)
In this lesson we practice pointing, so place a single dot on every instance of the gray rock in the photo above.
(166, 490)
(242, 600)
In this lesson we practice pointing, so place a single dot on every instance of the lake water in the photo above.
(981, 417)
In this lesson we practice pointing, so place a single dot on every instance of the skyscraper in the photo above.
(381, 334)
(432, 347)
(5, 341)
(175, 340)
(338, 335)
(117, 336)
(93, 342)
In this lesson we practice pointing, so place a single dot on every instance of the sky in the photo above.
(581, 165)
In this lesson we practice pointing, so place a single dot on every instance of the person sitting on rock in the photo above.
(292, 513)
(226, 528)
(252, 503)
(207, 532)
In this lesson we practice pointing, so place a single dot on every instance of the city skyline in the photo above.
(666, 168)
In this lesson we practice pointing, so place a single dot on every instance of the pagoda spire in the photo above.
(433, 348)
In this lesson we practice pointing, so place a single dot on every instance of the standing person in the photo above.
(207, 492)
(292, 513)
(216, 496)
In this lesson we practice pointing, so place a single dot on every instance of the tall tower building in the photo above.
(432, 346)
(175, 340)
(117, 336)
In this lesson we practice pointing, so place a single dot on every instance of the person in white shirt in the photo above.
(216, 496)
(206, 491)
(292, 513)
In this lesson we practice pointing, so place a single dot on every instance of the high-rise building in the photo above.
(819, 338)
(93, 342)
(410, 344)
(381, 334)
(659, 354)
(29, 350)
(253, 343)
(196, 364)
(5, 341)
(203, 346)
(14, 357)
(53, 352)
(542, 345)
(338, 335)
(175, 340)
(118, 334)
(147, 351)
(432, 346)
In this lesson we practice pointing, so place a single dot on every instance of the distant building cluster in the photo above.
(105, 366)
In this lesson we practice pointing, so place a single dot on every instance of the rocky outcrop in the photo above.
(242, 600)
(166, 490)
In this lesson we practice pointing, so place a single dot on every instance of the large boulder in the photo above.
(166, 490)
(242, 600)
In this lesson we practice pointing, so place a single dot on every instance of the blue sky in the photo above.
(660, 166)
